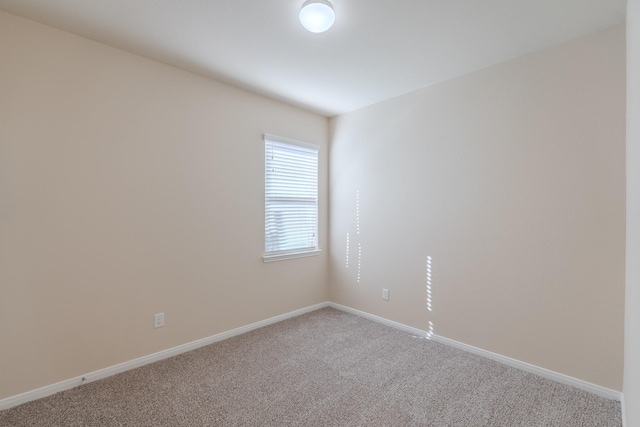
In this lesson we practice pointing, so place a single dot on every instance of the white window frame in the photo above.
(311, 250)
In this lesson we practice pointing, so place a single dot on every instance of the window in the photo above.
(291, 199)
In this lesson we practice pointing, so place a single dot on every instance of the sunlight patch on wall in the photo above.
(357, 211)
(347, 257)
(429, 306)
(429, 297)
(354, 240)
(359, 259)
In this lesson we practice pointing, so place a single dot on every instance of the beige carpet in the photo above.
(326, 368)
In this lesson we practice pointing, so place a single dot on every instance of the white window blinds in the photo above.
(291, 195)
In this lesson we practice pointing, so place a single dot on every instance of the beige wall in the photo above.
(632, 296)
(513, 180)
(128, 188)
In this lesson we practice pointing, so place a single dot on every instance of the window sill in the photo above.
(290, 255)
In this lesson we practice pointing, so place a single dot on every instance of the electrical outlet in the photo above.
(385, 294)
(158, 320)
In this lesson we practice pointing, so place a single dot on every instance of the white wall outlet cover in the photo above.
(158, 320)
(385, 294)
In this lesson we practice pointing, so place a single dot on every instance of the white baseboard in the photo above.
(28, 396)
(545, 373)
(12, 401)
(623, 409)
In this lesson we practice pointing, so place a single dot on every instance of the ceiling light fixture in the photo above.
(317, 16)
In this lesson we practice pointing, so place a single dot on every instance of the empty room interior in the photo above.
(455, 239)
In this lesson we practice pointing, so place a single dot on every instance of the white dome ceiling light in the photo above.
(317, 16)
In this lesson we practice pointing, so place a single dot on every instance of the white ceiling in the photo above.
(376, 50)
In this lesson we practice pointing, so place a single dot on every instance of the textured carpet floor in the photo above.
(326, 368)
